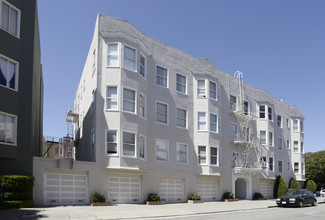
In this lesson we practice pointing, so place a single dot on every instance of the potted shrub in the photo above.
(228, 197)
(154, 199)
(258, 196)
(194, 198)
(98, 199)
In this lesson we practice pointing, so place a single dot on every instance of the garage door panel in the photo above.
(124, 190)
(171, 190)
(208, 190)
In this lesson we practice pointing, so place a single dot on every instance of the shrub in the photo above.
(294, 184)
(194, 196)
(97, 197)
(258, 195)
(280, 187)
(16, 183)
(16, 204)
(153, 197)
(311, 185)
(12, 196)
(228, 195)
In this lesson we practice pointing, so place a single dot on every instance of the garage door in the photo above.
(65, 189)
(208, 190)
(266, 189)
(171, 190)
(124, 190)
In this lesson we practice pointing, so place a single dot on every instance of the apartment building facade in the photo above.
(21, 87)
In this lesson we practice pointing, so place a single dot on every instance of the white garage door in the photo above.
(171, 190)
(124, 190)
(266, 189)
(65, 189)
(208, 190)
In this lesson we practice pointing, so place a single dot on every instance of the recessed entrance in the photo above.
(241, 188)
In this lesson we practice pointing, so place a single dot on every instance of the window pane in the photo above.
(111, 148)
(201, 121)
(13, 22)
(2, 128)
(213, 90)
(10, 130)
(201, 88)
(111, 136)
(113, 49)
(5, 17)
(112, 61)
(129, 53)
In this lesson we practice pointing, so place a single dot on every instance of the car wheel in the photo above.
(301, 204)
(314, 203)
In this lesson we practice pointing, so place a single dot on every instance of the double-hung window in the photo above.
(129, 144)
(295, 125)
(161, 113)
(8, 128)
(270, 138)
(129, 100)
(271, 164)
(181, 118)
(262, 111)
(162, 150)
(111, 98)
(113, 55)
(8, 73)
(111, 142)
(161, 76)
(213, 123)
(295, 146)
(263, 137)
(280, 166)
(302, 147)
(201, 88)
(181, 153)
(234, 131)
(296, 167)
(180, 83)
(279, 121)
(10, 18)
(270, 113)
(130, 58)
(213, 156)
(142, 147)
(246, 108)
(142, 106)
(202, 155)
(233, 103)
(280, 144)
(202, 121)
(213, 90)
(142, 70)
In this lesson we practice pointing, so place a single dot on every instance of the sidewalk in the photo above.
(137, 211)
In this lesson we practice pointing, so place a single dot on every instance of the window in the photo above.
(295, 125)
(271, 165)
(301, 126)
(202, 156)
(270, 138)
(263, 137)
(233, 103)
(280, 167)
(181, 118)
(202, 121)
(180, 83)
(234, 131)
(142, 66)
(295, 146)
(162, 150)
(262, 111)
(142, 147)
(129, 144)
(270, 113)
(246, 134)
(130, 58)
(213, 156)
(142, 106)
(246, 110)
(113, 55)
(296, 167)
(201, 88)
(302, 147)
(181, 153)
(92, 138)
(111, 142)
(8, 73)
(280, 144)
(288, 124)
(8, 128)
(161, 113)
(213, 123)
(302, 168)
(212, 90)
(10, 19)
(161, 76)
(263, 163)
(288, 144)
(128, 100)
(279, 121)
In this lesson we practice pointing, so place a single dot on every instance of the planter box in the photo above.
(155, 202)
(100, 204)
(194, 201)
(230, 200)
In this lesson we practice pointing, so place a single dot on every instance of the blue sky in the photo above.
(279, 45)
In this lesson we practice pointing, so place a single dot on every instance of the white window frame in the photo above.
(215, 92)
(279, 121)
(213, 123)
(143, 66)
(265, 142)
(131, 144)
(302, 147)
(92, 143)
(179, 152)
(262, 111)
(162, 77)
(246, 108)
(202, 122)
(233, 105)
(199, 92)
(113, 55)
(6, 115)
(271, 164)
(129, 59)
(270, 139)
(214, 156)
(167, 150)
(280, 144)
(294, 167)
(296, 147)
(202, 155)
(117, 144)
(142, 147)
(295, 127)
(179, 118)
(167, 121)
(288, 144)
(11, 7)
(130, 101)
(270, 113)
(7, 59)
(280, 171)
(234, 136)
(142, 106)
(180, 84)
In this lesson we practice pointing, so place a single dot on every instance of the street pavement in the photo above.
(136, 211)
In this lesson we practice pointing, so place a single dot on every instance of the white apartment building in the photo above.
(152, 119)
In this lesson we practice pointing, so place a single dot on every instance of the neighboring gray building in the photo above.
(152, 119)
(21, 87)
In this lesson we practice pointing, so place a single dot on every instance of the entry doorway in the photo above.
(241, 188)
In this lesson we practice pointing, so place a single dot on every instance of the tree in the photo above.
(294, 184)
(315, 167)
(311, 185)
(280, 187)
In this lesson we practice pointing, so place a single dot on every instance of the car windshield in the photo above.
(293, 192)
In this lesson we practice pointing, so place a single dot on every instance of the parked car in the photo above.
(320, 193)
(297, 198)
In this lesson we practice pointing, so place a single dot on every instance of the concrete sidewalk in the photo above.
(128, 211)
